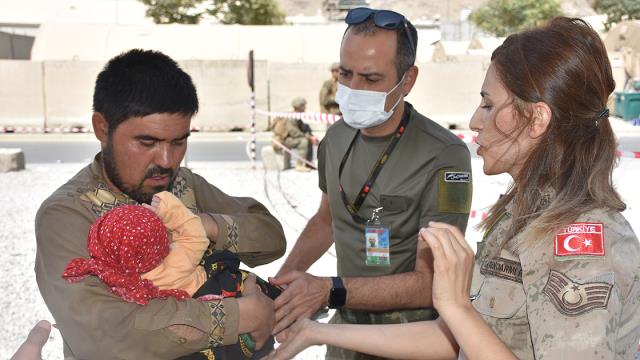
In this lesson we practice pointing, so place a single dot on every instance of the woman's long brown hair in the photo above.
(565, 65)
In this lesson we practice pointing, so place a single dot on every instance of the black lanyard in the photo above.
(353, 208)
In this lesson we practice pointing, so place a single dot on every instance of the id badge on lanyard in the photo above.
(376, 241)
(376, 234)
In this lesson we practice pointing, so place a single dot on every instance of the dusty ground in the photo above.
(292, 198)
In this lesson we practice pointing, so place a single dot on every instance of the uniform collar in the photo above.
(547, 194)
(96, 167)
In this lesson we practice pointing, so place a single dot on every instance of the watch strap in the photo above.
(338, 293)
(337, 282)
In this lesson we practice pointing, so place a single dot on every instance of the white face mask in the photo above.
(363, 109)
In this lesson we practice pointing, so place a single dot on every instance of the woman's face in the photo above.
(502, 146)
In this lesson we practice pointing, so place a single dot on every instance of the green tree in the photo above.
(244, 12)
(618, 10)
(504, 17)
(247, 12)
(173, 11)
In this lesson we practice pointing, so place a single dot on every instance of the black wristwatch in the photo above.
(338, 294)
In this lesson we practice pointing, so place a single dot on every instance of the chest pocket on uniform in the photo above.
(499, 298)
(394, 204)
(501, 294)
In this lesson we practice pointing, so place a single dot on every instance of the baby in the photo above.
(156, 251)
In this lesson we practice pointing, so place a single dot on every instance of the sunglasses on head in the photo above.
(385, 19)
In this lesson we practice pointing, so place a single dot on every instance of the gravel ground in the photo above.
(292, 197)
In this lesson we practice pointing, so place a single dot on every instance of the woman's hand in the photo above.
(294, 339)
(452, 266)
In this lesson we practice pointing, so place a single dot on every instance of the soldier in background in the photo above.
(296, 135)
(328, 104)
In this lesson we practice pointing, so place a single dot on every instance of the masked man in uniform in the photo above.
(143, 104)
(385, 172)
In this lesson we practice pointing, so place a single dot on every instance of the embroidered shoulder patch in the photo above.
(502, 268)
(573, 298)
(454, 191)
(580, 239)
(457, 176)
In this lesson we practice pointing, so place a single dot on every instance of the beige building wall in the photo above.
(21, 100)
(449, 93)
(223, 92)
(446, 92)
(56, 87)
(69, 91)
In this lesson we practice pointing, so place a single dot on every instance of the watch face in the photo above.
(337, 298)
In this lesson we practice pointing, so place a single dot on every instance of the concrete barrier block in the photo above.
(11, 159)
(275, 161)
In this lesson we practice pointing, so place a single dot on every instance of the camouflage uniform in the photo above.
(572, 296)
(289, 134)
(328, 102)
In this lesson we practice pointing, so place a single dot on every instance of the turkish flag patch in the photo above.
(580, 239)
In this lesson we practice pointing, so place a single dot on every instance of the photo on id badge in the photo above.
(377, 245)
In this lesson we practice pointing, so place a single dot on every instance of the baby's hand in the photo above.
(168, 208)
(155, 204)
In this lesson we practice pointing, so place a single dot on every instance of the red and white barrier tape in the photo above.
(209, 128)
(628, 154)
(466, 137)
(306, 116)
(39, 130)
(74, 130)
(478, 214)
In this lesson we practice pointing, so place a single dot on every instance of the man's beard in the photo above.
(136, 193)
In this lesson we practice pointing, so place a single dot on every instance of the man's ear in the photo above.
(100, 128)
(541, 120)
(409, 79)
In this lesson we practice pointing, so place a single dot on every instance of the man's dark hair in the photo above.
(405, 55)
(140, 83)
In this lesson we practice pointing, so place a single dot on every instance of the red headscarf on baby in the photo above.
(124, 243)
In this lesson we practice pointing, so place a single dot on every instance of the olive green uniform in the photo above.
(97, 324)
(412, 190)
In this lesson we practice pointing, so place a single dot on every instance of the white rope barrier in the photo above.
(298, 157)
